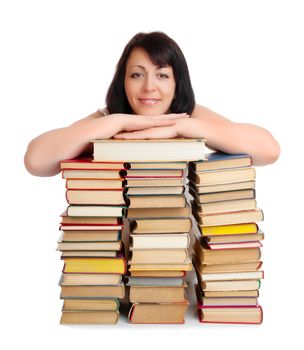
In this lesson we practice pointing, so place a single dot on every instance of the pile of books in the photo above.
(90, 242)
(159, 218)
(227, 255)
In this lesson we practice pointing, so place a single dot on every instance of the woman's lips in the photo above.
(149, 101)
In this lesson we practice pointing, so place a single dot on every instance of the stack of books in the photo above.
(159, 218)
(227, 254)
(90, 242)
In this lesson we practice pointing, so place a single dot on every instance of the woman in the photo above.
(150, 97)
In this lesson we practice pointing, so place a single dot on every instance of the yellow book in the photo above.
(229, 229)
(95, 265)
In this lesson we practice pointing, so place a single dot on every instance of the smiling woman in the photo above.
(150, 97)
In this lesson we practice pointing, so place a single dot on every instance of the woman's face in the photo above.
(149, 89)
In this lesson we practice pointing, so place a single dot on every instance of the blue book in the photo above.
(221, 160)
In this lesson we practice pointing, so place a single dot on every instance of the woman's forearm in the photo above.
(45, 152)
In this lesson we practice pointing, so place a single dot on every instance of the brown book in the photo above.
(93, 184)
(230, 285)
(231, 293)
(81, 220)
(105, 197)
(89, 291)
(235, 186)
(168, 225)
(93, 174)
(159, 256)
(217, 177)
(160, 190)
(155, 182)
(237, 267)
(235, 205)
(226, 256)
(90, 236)
(236, 238)
(157, 294)
(163, 313)
(89, 254)
(159, 201)
(90, 305)
(89, 317)
(187, 266)
(86, 279)
(149, 213)
(157, 273)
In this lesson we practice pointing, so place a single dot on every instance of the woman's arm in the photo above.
(221, 134)
(45, 152)
(227, 136)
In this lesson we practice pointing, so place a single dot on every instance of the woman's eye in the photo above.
(163, 76)
(136, 75)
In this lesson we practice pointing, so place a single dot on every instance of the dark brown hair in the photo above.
(163, 51)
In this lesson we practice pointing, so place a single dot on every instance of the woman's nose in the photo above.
(149, 83)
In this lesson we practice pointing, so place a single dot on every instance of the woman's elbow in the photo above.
(35, 165)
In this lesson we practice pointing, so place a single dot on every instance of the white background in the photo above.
(57, 60)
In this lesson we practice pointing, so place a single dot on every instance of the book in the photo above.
(159, 241)
(93, 174)
(104, 197)
(70, 279)
(221, 160)
(202, 268)
(154, 150)
(154, 281)
(157, 273)
(167, 225)
(230, 285)
(89, 254)
(218, 177)
(159, 256)
(149, 213)
(94, 265)
(91, 236)
(95, 210)
(234, 315)
(87, 163)
(186, 266)
(232, 276)
(235, 186)
(157, 201)
(154, 173)
(153, 182)
(222, 196)
(235, 205)
(93, 184)
(91, 317)
(228, 218)
(159, 313)
(160, 190)
(226, 256)
(157, 165)
(90, 305)
(91, 291)
(79, 220)
(233, 229)
(235, 238)
(89, 245)
(87, 228)
(236, 245)
(157, 294)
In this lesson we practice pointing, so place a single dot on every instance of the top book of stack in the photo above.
(155, 150)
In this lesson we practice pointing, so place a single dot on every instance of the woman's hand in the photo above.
(183, 127)
(130, 122)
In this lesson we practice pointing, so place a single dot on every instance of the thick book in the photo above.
(236, 285)
(216, 177)
(87, 164)
(63, 246)
(157, 273)
(232, 276)
(154, 281)
(228, 314)
(159, 256)
(74, 279)
(153, 182)
(94, 184)
(165, 225)
(157, 294)
(160, 190)
(91, 236)
(91, 317)
(95, 210)
(79, 220)
(232, 239)
(149, 213)
(93, 174)
(154, 173)
(157, 201)
(91, 291)
(91, 305)
(203, 268)
(95, 265)
(234, 229)
(221, 160)
(88, 197)
(235, 205)
(186, 266)
(235, 186)
(158, 313)
(160, 241)
(154, 150)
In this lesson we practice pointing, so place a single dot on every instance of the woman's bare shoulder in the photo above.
(202, 112)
